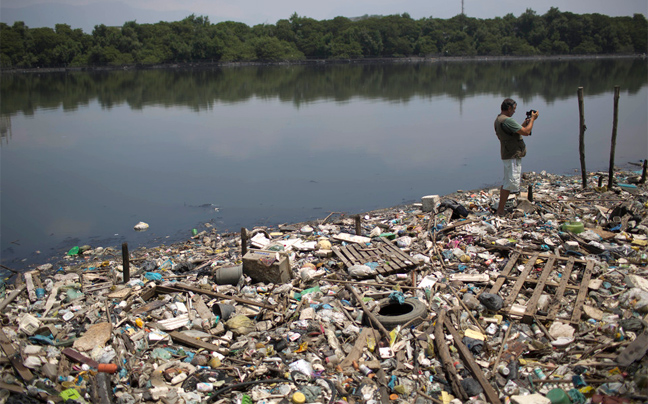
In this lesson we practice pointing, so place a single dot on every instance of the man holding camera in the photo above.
(512, 148)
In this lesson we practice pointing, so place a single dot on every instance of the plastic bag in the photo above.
(636, 299)
(472, 387)
(361, 271)
(458, 210)
(240, 325)
(491, 301)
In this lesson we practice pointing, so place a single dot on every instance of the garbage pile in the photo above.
(434, 302)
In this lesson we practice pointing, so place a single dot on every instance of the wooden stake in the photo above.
(244, 240)
(643, 172)
(358, 225)
(126, 263)
(581, 136)
(530, 193)
(614, 135)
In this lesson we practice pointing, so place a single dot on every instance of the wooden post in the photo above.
(358, 225)
(530, 193)
(614, 136)
(126, 263)
(243, 241)
(581, 136)
(643, 172)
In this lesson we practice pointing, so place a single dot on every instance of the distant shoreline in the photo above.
(317, 62)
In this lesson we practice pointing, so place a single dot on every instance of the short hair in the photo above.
(508, 103)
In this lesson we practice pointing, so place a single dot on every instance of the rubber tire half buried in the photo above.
(393, 314)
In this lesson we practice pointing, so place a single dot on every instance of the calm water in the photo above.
(85, 156)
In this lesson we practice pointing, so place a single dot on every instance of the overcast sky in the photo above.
(252, 12)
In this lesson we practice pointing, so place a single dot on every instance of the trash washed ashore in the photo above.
(433, 302)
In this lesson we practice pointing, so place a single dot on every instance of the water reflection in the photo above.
(87, 156)
(203, 89)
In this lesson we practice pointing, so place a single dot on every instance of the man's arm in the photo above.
(527, 125)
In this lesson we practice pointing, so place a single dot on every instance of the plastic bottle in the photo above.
(463, 320)
(538, 372)
(107, 368)
(205, 387)
(365, 370)
(503, 369)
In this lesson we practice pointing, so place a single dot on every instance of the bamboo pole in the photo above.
(581, 136)
(614, 135)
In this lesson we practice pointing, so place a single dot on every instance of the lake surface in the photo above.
(86, 156)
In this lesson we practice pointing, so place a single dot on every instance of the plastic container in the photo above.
(228, 275)
(558, 396)
(29, 324)
(224, 311)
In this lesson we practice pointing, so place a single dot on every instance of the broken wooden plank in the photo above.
(582, 294)
(635, 351)
(31, 290)
(15, 358)
(507, 269)
(340, 254)
(561, 289)
(51, 299)
(78, 357)
(520, 282)
(181, 338)
(12, 296)
(372, 317)
(446, 358)
(148, 307)
(356, 351)
(12, 387)
(180, 287)
(491, 395)
(458, 224)
(532, 304)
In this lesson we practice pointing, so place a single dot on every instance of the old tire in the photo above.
(392, 314)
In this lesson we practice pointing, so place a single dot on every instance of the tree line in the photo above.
(194, 39)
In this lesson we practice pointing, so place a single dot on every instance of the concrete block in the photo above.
(430, 202)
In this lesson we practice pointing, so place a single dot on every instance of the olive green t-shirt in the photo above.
(511, 143)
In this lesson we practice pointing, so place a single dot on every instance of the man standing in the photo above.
(512, 148)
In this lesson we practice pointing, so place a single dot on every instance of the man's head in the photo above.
(509, 106)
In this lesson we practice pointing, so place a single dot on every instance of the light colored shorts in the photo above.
(512, 175)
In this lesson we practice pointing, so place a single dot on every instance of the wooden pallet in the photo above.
(389, 257)
(529, 277)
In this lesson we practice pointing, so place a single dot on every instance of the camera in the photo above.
(530, 112)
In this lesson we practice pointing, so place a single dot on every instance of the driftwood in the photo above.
(446, 359)
(369, 314)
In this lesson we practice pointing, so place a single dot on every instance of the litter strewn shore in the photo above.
(433, 302)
